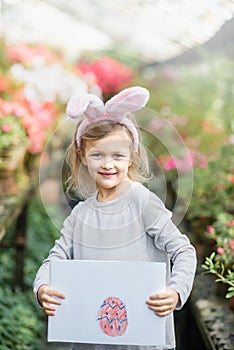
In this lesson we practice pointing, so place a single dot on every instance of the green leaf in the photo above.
(229, 295)
(219, 280)
(205, 267)
(212, 255)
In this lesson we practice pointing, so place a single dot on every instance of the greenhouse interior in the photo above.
(182, 53)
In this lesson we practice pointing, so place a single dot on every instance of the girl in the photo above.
(120, 219)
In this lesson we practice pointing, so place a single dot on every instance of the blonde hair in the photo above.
(79, 182)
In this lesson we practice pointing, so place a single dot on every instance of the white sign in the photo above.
(106, 302)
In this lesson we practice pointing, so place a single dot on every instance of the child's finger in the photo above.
(167, 296)
(162, 313)
(48, 307)
(159, 303)
(161, 295)
(50, 300)
(161, 310)
(49, 312)
(158, 299)
(47, 290)
(55, 293)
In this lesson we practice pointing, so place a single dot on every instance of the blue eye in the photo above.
(117, 155)
(96, 155)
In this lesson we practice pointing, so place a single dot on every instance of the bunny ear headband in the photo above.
(116, 109)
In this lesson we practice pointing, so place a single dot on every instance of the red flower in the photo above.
(109, 74)
(210, 229)
(6, 128)
(220, 250)
(170, 164)
(230, 223)
(232, 244)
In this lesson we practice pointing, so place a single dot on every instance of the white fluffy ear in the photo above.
(128, 100)
(88, 104)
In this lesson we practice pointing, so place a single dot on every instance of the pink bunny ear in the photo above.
(128, 100)
(88, 104)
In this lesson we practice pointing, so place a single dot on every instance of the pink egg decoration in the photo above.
(112, 317)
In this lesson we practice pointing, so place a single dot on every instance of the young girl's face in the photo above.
(108, 161)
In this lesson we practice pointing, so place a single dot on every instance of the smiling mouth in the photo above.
(106, 174)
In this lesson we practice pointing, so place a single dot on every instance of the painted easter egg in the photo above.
(112, 317)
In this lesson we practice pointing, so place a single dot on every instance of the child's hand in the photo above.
(45, 296)
(164, 302)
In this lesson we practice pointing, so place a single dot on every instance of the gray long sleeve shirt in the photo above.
(135, 226)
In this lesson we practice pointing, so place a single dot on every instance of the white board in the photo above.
(92, 287)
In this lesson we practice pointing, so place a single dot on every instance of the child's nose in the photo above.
(107, 163)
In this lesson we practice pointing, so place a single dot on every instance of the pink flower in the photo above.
(230, 223)
(109, 74)
(26, 54)
(232, 244)
(185, 164)
(176, 119)
(210, 229)
(169, 164)
(6, 128)
(232, 180)
(182, 165)
(220, 250)
(199, 159)
(156, 124)
(37, 119)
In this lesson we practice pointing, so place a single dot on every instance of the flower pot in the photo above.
(221, 290)
(231, 303)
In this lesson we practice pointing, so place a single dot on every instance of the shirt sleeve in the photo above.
(169, 239)
(63, 249)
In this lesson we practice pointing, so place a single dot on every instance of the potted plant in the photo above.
(224, 276)
(213, 194)
(221, 261)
